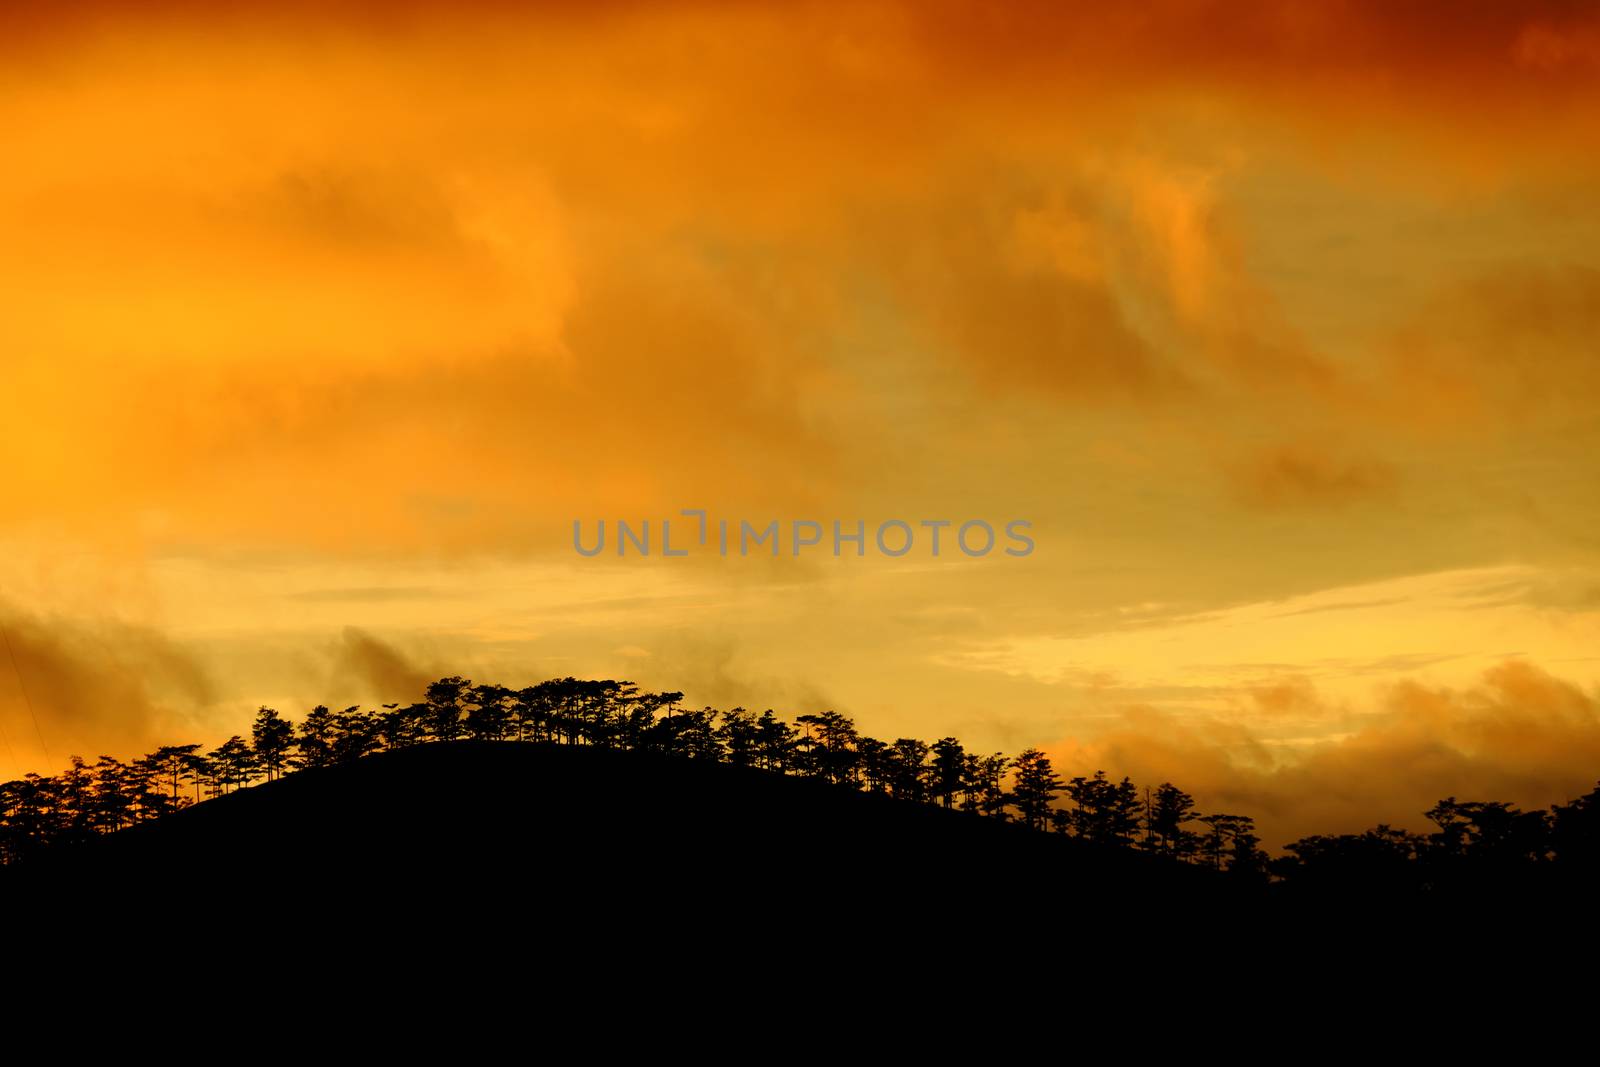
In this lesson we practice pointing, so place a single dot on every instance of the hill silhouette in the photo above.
(584, 820)
(594, 863)
(562, 827)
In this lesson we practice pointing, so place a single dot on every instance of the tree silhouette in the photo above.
(272, 737)
(775, 740)
(831, 752)
(1169, 810)
(489, 713)
(1575, 836)
(908, 771)
(316, 737)
(445, 699)
(875, 764)
(949, 768)
(739, 737)
(1231, 841)
(1379, 861)
(1475, 845)
(1035, 788)
(987, 784)
(1105, 812)
(174, 764)
(233, 764)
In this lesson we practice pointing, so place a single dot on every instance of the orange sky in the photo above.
(319, 324)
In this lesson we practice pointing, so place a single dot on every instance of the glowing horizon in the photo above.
(320, 324)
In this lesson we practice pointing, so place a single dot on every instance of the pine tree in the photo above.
(272, 738)
(949, 765)
(1034, 790)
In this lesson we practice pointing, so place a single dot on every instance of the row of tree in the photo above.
(1476, 845)
(91, 799)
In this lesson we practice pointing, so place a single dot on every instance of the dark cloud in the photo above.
(93, 687)
(1004, 277)
(1520, 735)
(1308, 476)
(367, 668)
(1509, 349)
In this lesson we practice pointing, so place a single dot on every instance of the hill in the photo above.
(588, 865)
(466, 829)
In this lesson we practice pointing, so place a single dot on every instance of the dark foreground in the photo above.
(500, 851)
(573, 826)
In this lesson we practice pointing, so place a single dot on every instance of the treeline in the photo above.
(1471, 840)
(1476, 846)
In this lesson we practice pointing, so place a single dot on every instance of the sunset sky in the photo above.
(321, 323)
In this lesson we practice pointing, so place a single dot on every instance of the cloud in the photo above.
(451, 244)
(366, 668)
(369, 289)
(1548, 46)
(362, 210)
(1519, 734)
(663, 359)
(1306, 475)
(79, 687)
(378, 594)
(1291, 696)
(1503, 350)
(711, 670)
(1008, 279)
